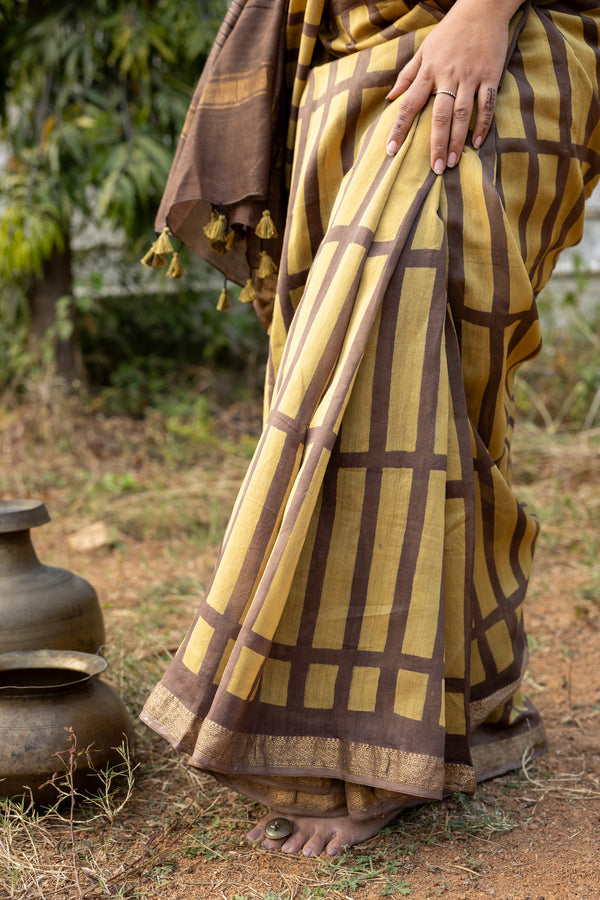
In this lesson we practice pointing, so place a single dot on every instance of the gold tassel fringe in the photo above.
(216, 230)
(265, 228)
(248, 292)
(218, 246)
(210, 226)
(163, 244)
(223, 303)
(152, 259)
(266, 266)
(176, 269)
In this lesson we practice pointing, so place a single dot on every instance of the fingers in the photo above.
(409, 107)
(461, 117)
(451, 116)
(441, 127)
(416, 94)
(486, 106)
(406, 76)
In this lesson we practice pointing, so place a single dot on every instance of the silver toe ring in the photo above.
(278, 828)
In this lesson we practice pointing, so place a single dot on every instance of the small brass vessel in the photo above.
(57, 719)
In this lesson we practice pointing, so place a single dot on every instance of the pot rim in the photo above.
(22, 514)
(89, 664)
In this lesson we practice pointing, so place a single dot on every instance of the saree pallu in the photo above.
(361, 645)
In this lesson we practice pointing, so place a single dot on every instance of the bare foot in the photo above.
(312, 835)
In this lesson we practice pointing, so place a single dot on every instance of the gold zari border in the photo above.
(211, 746)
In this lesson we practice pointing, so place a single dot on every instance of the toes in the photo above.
(270, 844)
(316, 843)
(335, 847)
(295, 842)
(255, 835)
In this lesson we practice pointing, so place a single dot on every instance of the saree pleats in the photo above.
(361, 645)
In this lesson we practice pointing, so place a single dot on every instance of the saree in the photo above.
(361, 645)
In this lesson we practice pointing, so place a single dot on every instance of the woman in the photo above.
(361, 646)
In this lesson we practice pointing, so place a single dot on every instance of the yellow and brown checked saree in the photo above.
(361, 644)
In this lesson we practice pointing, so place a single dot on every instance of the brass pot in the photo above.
(41, 607)
(54, 712)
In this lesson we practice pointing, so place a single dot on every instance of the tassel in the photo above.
(218, 246)
(248, 292)
(223, 303)
(152, 259)
(210, 226)
(265, 228)
(163, 244)
(216, 230)
(266, 266)
(176, 269)
(230, 239)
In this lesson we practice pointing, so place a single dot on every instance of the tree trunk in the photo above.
(56, 282)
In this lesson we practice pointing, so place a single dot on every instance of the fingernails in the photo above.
(438, 166)
(452, 159)
(477, 142)
(391, 148)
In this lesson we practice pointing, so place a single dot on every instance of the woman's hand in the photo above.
(461, 62)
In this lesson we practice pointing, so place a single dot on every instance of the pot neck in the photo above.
(16, 553)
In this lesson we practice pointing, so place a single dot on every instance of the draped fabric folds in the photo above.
(361, 645)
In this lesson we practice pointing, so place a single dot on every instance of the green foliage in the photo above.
(143, 349)
(95, 96)
(92, 100)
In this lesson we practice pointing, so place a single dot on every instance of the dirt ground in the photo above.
(529, 835)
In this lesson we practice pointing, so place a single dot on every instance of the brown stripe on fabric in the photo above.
(591, 34)
(386, 27)
(311, 189)
(368, 81)
(426, 417)
(505, 609)
(454, 240)
(267, 522)
(314, 594)
(493, 392)
(558, 55)
(525, 320)
(285, 465)
(506, 606)
(393, 459)
(329, 353)
(456, 747)
(340, 10)
(526, 110)
(437, 8)
(518, 537)
(372, 462)
(315, 388)
(229, 21)
(325, 655)
(364, 558)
